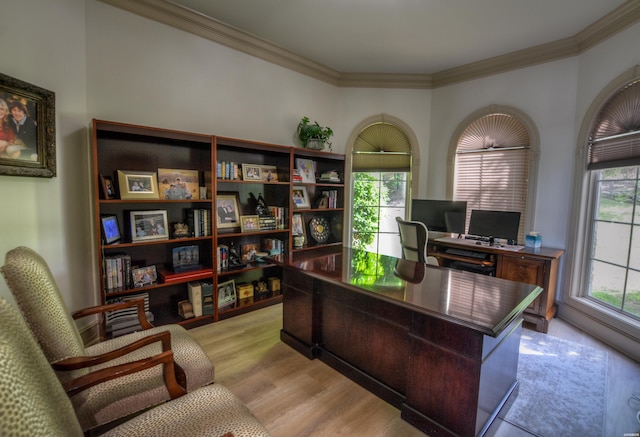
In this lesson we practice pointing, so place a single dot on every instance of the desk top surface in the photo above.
(484, 303)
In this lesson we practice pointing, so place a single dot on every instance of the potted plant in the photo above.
(314, 136)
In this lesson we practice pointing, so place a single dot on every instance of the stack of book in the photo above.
(124, 321)
(332, 198)
(296, 177)
(330, 176)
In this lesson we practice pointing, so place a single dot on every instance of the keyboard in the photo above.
(466, 253)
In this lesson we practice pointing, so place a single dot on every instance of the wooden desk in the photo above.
(523, 264)
(441, 345)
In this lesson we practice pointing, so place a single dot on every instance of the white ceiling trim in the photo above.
(191, 21)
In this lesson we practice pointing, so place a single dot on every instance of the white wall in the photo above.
(44, 45)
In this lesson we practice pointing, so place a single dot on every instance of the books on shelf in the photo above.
(280, 215)
(116, 272)
(199, 222)
(223, 258)
(207, 297)
(273, 246)
(228, 170)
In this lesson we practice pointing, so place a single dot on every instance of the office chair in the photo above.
(413, 239)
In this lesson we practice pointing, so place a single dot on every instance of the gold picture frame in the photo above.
(138, 185)
(249, 223)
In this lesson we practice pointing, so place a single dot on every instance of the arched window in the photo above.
(614, 164)
(381, 162)
(492, 164)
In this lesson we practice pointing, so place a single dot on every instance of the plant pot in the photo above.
(315, 144)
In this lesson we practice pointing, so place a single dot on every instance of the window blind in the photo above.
(381, 147)
(492, 166)
(615, 139)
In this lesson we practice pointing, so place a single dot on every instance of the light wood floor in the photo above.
(297, 397)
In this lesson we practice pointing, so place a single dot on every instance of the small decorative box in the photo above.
(533, 239)
(244, 290)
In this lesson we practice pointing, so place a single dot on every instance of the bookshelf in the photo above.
(236, 198)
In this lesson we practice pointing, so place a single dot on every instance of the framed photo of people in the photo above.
(138, 184)
(148, 225)
(227, 211)
(27, 129)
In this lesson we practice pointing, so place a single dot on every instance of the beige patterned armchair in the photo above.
(38, 298)
(33, 403)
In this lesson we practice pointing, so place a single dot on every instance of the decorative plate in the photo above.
(319, 229)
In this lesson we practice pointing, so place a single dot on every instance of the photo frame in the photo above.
(148, 225)
(297, 225)
(32, 151)
(144, 276)
(269, 173)
(110, 229)
(138, 185)
(178, 184)
(251, 172)
(307, 170)
(108, 188)
(226, 293)
(227, 210)
(249, 223)
(185, 258)
(300, 197)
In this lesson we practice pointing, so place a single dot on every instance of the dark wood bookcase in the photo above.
(139, 149)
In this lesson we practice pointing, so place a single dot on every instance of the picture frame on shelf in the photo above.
(107, 187)
(185, 258)
(110, 229)
(307, 170)
(227, 210)
(251, 172)
(144, 276)
(32, 151)
(300, 197)
(178, 184)
(226, 293)
(269, 173)
(249, 223)
(148, 225)
(138, 185)
(248, 252)
(297, 226)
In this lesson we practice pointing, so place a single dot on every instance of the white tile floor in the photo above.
(623, 381)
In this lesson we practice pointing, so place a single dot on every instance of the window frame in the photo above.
(579, 309)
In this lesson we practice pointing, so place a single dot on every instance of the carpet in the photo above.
(562, 387)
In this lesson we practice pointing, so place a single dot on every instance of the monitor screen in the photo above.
(496, 224)
(440, 215)
(110, 229)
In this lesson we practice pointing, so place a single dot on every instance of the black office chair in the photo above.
(413, 238)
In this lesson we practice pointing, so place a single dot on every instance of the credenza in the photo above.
(538, 266)
(441, 345)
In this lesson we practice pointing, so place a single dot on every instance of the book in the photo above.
(195, 297)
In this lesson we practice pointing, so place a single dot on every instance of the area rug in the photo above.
(562, 387)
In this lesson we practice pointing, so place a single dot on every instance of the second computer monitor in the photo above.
(496, 224)
(440, 215)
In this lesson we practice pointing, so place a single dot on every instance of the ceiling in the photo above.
(398, 43)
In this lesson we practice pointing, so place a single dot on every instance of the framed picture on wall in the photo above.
(28, 150)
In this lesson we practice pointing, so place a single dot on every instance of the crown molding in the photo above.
(169, 13)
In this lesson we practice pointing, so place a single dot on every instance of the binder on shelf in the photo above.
(195, 297)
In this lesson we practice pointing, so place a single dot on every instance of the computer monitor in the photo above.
(496, 224)
(440, 215)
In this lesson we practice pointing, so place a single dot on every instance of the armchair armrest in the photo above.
(82, 362)
(89, 380)
(100, 309)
